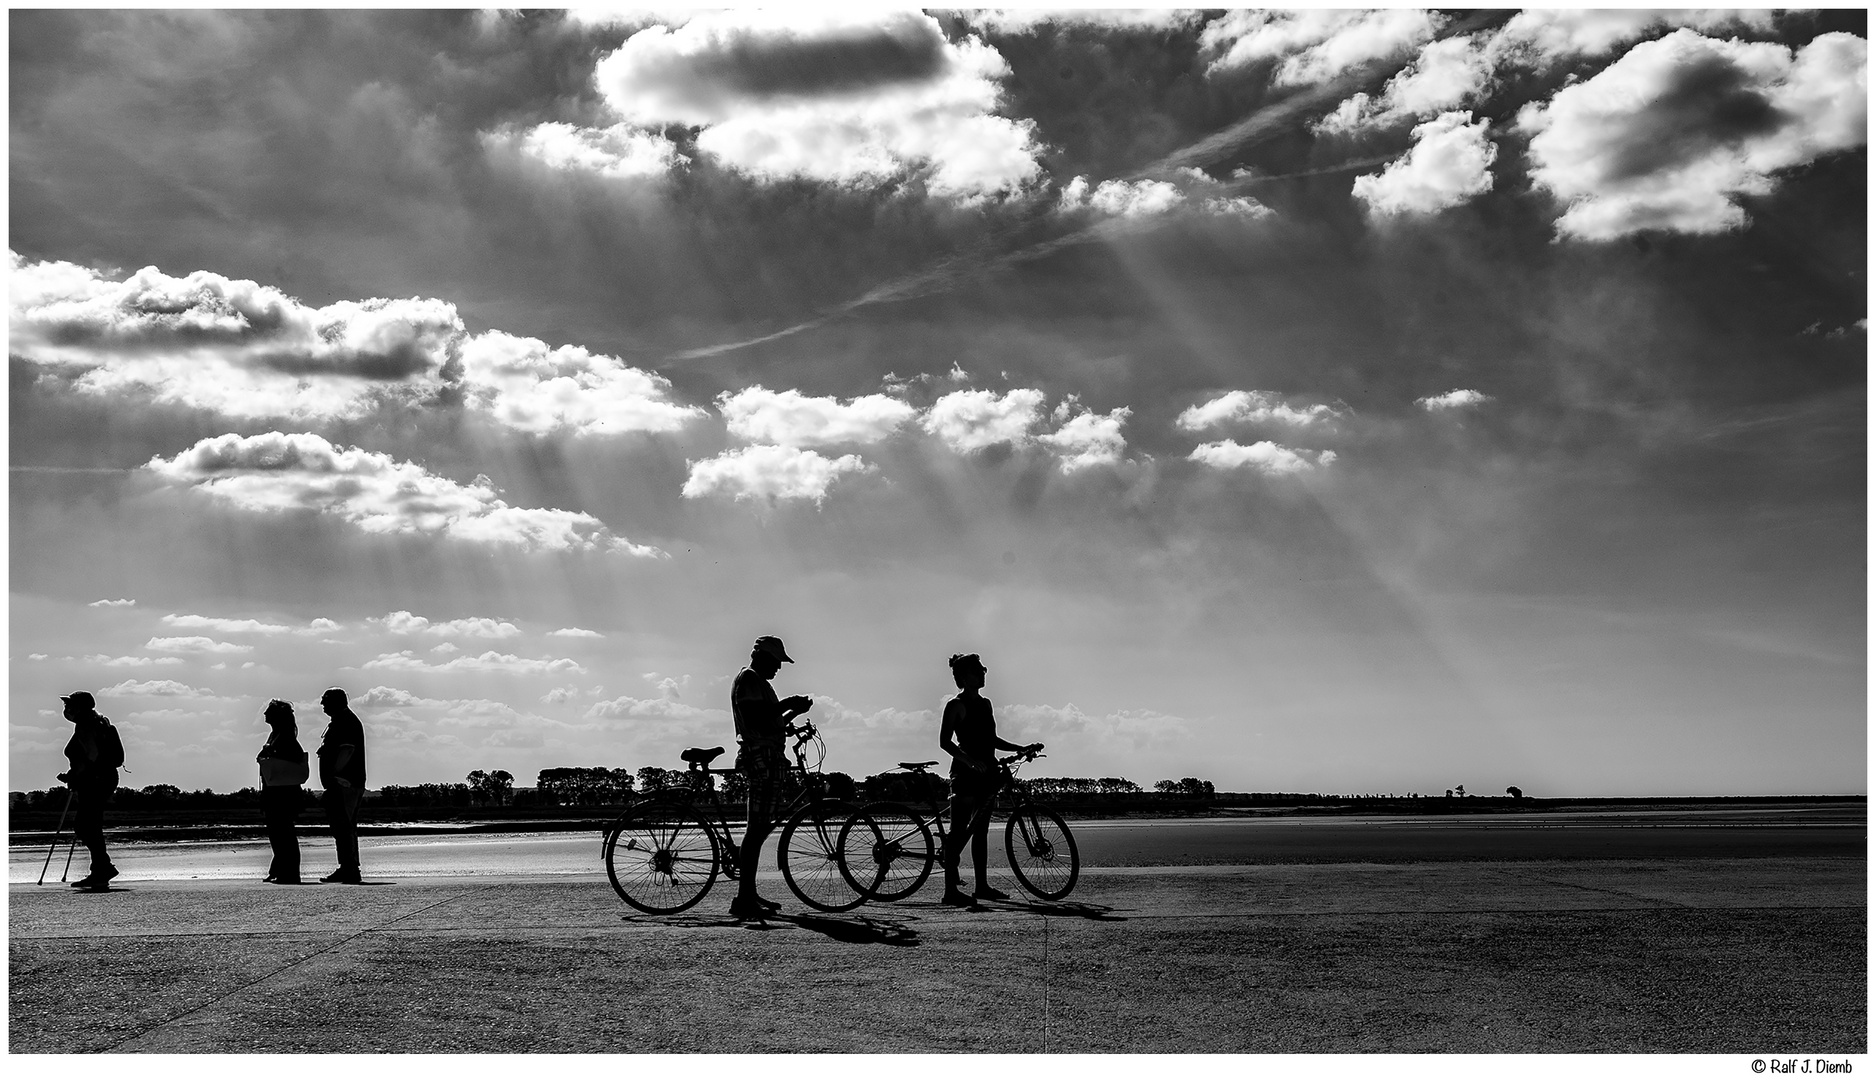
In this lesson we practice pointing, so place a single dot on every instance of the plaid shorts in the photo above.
(762, 768)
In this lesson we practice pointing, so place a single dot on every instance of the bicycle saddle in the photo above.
(697, 755)
(917, 766)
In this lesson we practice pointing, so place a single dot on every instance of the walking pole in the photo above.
(69, 852)
(55, 839)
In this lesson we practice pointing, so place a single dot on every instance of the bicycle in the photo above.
(891, 847)
(663, 853)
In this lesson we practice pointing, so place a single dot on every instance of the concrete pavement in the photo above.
(1708, 955)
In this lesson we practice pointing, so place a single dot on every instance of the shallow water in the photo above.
(1201, 842)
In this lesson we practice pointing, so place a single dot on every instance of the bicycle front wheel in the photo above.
(810, 856)
(1041, 851)
(661, 858)
(885, 851)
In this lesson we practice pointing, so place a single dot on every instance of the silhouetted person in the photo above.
(342, 774)
(761, 728)
(283, 770)
(95, 752)
(969, 735)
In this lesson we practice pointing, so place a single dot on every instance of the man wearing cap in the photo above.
(342, 774)
(95, 752)
(761, 727)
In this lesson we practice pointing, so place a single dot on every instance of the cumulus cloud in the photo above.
(1265, 457)
(1669, 135)
(617, 151)
(237, 347)
(194, 645)
(769, 472)
(574, 631)
(968, 420)
(1088, 439)
(1022, 20)
(1152, 198)
(225, 626)
(277, 473)
(1122, 198)
(1546, 35)
(1315, 44)
(403, 622)
(1250, 406)
(1135, 728)
(523, 383)
(154, 688)
(659, 708)
(1446, 74)
(1449, 164)
(382, 696)
(247, 350)
(560, 695)
(790, 418)
(840, 95)
(1452, 399)
(1236, 206)
(490, 662)
(112, 603)
(101, 660)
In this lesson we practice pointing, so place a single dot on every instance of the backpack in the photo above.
(110, 747)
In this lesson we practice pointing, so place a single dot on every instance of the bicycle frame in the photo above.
(680, 842)
(810, 787)
(1012, 794)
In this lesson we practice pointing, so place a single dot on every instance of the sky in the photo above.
(1337, 401)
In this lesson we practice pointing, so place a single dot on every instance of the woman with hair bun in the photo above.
(283, 770)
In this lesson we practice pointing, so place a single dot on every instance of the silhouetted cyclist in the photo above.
(95, 752)
(969, 735)
(761, 728)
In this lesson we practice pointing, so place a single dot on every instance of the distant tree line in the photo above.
(578, 787)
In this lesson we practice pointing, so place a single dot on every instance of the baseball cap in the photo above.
(773, 646)
(81, 698)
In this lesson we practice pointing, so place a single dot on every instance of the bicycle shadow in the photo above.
(855, 929)
(689, 922)
(1064, 909)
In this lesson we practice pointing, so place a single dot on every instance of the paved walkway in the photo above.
(1727, 956)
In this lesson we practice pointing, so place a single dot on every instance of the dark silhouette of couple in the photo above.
(968, 734)
(341, 776)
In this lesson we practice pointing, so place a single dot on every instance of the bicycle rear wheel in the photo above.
(661, 858)
(810, 856)
(885, 851)
(1041, 851)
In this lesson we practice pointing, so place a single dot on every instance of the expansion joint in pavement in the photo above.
(356, 934)
(1624, 893)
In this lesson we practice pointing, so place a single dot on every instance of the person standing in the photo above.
(761, 728)
(969, 734)
(342, 775)
(283, 770)
(95, 753)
